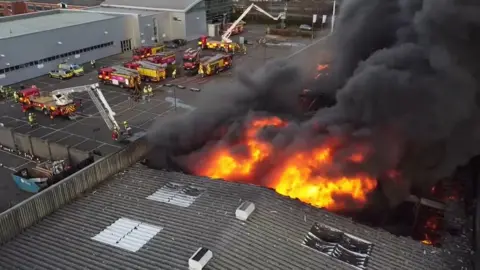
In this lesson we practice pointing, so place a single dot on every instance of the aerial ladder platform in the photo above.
(106, 112)
(228, 33)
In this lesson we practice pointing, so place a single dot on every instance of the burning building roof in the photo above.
(178, 213)
(405, 114)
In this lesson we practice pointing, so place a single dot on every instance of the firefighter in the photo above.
(32, 121)
(200, 70)
(174, 73)
(92, 63)
(127, 128)
(115, 133)
(244, 47)
(3, 93)
(15, 96)
(145, 93)
(150, 91)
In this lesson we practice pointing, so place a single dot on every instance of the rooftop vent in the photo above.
(244, 210)
(127, 234)
(177, 194)
(337, 244)
(199, 259)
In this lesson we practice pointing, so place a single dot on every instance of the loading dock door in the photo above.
(126, 45)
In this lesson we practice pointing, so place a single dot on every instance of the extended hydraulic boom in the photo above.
(98, 99)
(228, 33)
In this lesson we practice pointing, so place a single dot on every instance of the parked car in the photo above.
(305, 27)
(179, 42)
(60, 74)
(175, 43)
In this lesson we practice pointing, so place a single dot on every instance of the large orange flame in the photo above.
(300, 176)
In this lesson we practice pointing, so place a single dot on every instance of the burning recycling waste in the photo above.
(405, 115)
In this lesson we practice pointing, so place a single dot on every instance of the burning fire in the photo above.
(320, 68)
(431, 229)
(302, 175)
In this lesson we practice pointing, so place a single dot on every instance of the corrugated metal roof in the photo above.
(24, 25)
(123, 10)
(87, 3)
(172, 231)
(174, 5)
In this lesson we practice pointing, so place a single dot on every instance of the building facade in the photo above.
(184, 19)
(33, 44)
(219, 10)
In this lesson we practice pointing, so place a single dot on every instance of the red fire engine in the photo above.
(191, 60)
(57, 103)
(163, 58)
(146, 51)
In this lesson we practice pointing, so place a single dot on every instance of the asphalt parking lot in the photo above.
(89, 132)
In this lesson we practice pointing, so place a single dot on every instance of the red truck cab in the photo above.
(25, 94)
(105, 73)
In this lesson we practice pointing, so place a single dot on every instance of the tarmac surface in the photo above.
(89, 132)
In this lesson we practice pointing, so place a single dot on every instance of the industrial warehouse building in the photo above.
(32, 44)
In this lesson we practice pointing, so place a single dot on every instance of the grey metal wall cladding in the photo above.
(196, 24)
(40, 70)
(177, 25)
(24, 49)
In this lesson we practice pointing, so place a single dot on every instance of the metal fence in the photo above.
(32, 210)
(37, 147)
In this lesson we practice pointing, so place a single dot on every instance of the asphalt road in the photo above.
(89, 131)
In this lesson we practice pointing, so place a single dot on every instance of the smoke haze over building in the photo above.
(405, 76)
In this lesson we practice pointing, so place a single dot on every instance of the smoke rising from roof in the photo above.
(405, 75)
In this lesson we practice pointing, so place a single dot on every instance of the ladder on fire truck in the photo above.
(98, 100)
(125, 71)
(228, 33)
(150, 65)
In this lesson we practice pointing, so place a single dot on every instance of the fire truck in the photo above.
(146, 51)
(56, 103)
(148, 71)
(215, 64)
(191, 61)
(119, 76)
(205, 44)
(163, 58)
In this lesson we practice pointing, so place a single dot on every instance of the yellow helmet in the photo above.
(124, 122)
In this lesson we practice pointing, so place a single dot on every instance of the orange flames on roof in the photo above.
(299, 176)
(320, 69)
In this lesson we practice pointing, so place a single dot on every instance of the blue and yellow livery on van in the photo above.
(76, 69)
(61, 74)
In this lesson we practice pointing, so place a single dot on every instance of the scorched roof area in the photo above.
(178, 213)
(24, 25)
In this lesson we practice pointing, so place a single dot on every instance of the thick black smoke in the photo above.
(405, 75)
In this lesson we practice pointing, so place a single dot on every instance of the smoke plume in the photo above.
(405, 77)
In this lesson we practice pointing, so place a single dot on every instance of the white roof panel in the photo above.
(29, 25)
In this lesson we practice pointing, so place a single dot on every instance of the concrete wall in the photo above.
(40, 52)
(32, 210)
(38, 147)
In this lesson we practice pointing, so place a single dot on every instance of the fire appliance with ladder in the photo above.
(56, 103)
(228, 32)
(106, 112)
(226, 43)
